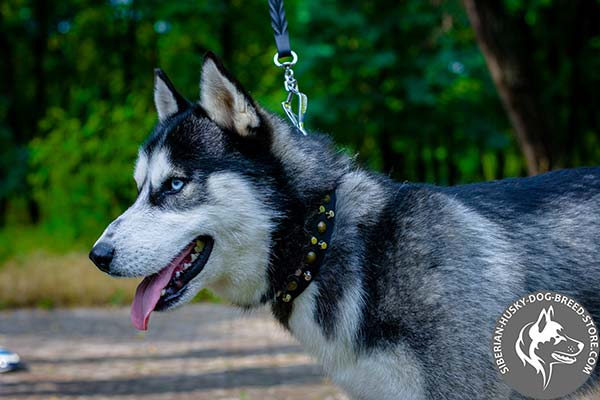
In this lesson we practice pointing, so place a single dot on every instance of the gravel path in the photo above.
(199, 352)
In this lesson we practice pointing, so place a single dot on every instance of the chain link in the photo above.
(291, 86)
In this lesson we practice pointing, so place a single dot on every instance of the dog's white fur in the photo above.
(364, 377)
(141, 169)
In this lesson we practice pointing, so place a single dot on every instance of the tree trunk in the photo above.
(507, 47)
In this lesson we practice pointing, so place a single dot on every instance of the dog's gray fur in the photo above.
(406, 300)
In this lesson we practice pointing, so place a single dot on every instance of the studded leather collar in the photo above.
(321, 230)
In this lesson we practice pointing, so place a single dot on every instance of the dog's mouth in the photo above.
(563, 357)
(163, 289)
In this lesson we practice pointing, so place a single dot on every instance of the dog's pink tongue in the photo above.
(147, 295)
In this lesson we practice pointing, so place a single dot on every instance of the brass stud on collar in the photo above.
(292, 285)
(298, 272)
(307, 276)
(327, 198)
(321, 209)
(330, 214)
(323, 245)
(287, 298)
(321, 227)
(311, 257)
(314, 240)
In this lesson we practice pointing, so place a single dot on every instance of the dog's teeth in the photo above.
(199, 246)
(186, 265)
(194, 257)
(178, 274)
(163, 292)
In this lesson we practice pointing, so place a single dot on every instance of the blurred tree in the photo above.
(537, 53)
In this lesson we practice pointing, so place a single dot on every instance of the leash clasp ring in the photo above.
(286, 64)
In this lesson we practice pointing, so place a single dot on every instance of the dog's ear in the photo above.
(167, 99)
(225, 101)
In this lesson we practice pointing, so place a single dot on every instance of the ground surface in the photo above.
(199, 352)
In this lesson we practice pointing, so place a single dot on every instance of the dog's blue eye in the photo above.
(176, 184)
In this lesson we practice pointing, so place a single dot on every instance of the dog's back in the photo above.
(553, 221)
(462, 254)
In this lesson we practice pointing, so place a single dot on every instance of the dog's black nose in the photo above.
(102, 255)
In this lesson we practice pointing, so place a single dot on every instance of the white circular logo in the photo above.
(545, 345)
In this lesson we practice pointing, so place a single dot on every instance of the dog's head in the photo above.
(544, 343)
(205, 211)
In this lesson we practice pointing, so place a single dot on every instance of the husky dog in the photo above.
(548, 345)
(408, 289)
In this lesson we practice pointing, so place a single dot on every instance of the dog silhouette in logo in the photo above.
(543, 343)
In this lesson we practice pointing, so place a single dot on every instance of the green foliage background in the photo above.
(404, 85)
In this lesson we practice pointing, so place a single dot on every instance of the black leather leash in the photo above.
(280, 26)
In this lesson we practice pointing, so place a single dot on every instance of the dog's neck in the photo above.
(336, 283)
(310, 171)
(288, 286)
